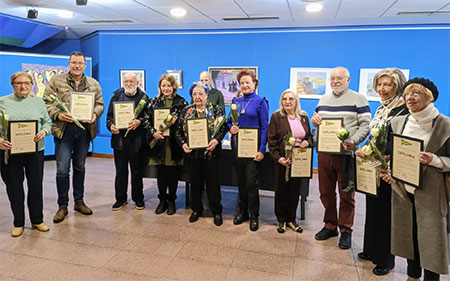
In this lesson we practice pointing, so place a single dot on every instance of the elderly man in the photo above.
(215, 96)
(72, 142)
(130, 149)
(355, 110)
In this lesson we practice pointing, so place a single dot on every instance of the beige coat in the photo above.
(430, 203)
(59, 85)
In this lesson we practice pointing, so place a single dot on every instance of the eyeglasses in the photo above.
(22, 83)
(76, 63)
(413, 93)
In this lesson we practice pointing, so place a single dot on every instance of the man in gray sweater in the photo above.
(354, 109)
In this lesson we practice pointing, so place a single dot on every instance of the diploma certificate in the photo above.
(301, 166)
(123, 113)
(405, 159)
(327, 140)
(366, 177)
(21, 135)
(159, 114)
(82, 106)
(197, 133)
(247, 142)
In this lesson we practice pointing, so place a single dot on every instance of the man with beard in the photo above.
(129, 149)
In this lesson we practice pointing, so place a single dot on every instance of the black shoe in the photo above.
(162, 207)
(218, 220)
(140, 205)
(194, 217)
(171, 207)
(345, 242)
(325, 233)
(281, 227)
(240, 218)
(380, 271)
(254, 224)
(295, 227)
(364, 256)
(118, 205)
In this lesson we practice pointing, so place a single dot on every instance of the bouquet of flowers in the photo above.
(288, 147)
(343, 134)
(217, 125)
(54, 99)
(373, 151)
(5, 119)
(137, 111)
(168, 121)
(234, 114)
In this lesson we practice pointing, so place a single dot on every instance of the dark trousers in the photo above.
(286, 196)
(247, 174)
(167, 180)
(205, 171)
(31, 166)
(414, 268)
(137, 162)
(377, 229)
(330, 172)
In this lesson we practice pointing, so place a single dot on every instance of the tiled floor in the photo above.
(138, 245)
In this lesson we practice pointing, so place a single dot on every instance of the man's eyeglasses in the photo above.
(22, 83)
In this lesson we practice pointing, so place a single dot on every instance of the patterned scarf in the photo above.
(382, 113)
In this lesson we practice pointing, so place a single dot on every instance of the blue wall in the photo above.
(51, 46)
(422, 49)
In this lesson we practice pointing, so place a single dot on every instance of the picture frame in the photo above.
(310, 83)
(366, 76)
(224, 79)
(178, 75)
(140, 73)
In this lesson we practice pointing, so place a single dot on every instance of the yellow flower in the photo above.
(169, 118)
(291, 141)
(375, 132)
(233, 106)
(342, 132)
(366, 150)
(219, 119)
(5, 116)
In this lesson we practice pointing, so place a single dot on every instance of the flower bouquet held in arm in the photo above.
(234, 114)
(373, 151)
(288, 147)
(217, 125)
(5, 119)
(168, 121)
(54, 99)
(343, 135)
(137, 111)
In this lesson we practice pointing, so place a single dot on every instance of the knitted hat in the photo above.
(199, 84)
(426, 83)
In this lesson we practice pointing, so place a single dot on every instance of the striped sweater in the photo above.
(351, 106)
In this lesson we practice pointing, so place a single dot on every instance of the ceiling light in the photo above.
(314, 8)
(32, 14)
(65, 14)
(178, 12)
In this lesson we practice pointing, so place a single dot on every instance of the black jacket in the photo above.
(177, 106)
(138, 137)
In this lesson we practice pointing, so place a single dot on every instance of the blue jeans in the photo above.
(74, 144)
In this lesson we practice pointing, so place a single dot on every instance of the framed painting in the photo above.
(178, 75)
(224, 79)
(310, 83)
(366, 76)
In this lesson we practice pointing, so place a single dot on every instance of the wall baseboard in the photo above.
(102, 155)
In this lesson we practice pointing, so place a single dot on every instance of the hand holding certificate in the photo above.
(82, 105)
(123, 114)
(22, 136)
(247, 142)
(302, 163)
(405, 159)
(327, 136)
(55, 100)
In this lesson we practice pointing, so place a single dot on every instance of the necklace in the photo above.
(243, 109)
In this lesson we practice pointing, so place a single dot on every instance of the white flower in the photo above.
(375, 132)
(169, 117)
(219, 119)
(366, 150)
(233, 106)
(291, 141)
(341, 132)
(5, 116)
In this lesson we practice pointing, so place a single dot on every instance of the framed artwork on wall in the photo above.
(311, 83)
(140, 73)
(366, 76)
(224, 79)
(178, 74)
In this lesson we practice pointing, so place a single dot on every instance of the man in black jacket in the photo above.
(129, 148)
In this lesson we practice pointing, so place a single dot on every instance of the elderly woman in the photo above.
(203, 164)
(389, 84)
(420, 229)
(288, 120)
(23, 105)
(253, 112)
(166, 154)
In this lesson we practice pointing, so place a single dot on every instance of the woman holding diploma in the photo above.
(203, 163)
(289, 121)
(253, 112)
(420, 230)
(24, 106)
(165, 154)
(389, 84)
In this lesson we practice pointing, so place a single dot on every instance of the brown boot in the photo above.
(81, 207)
(60, 215)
